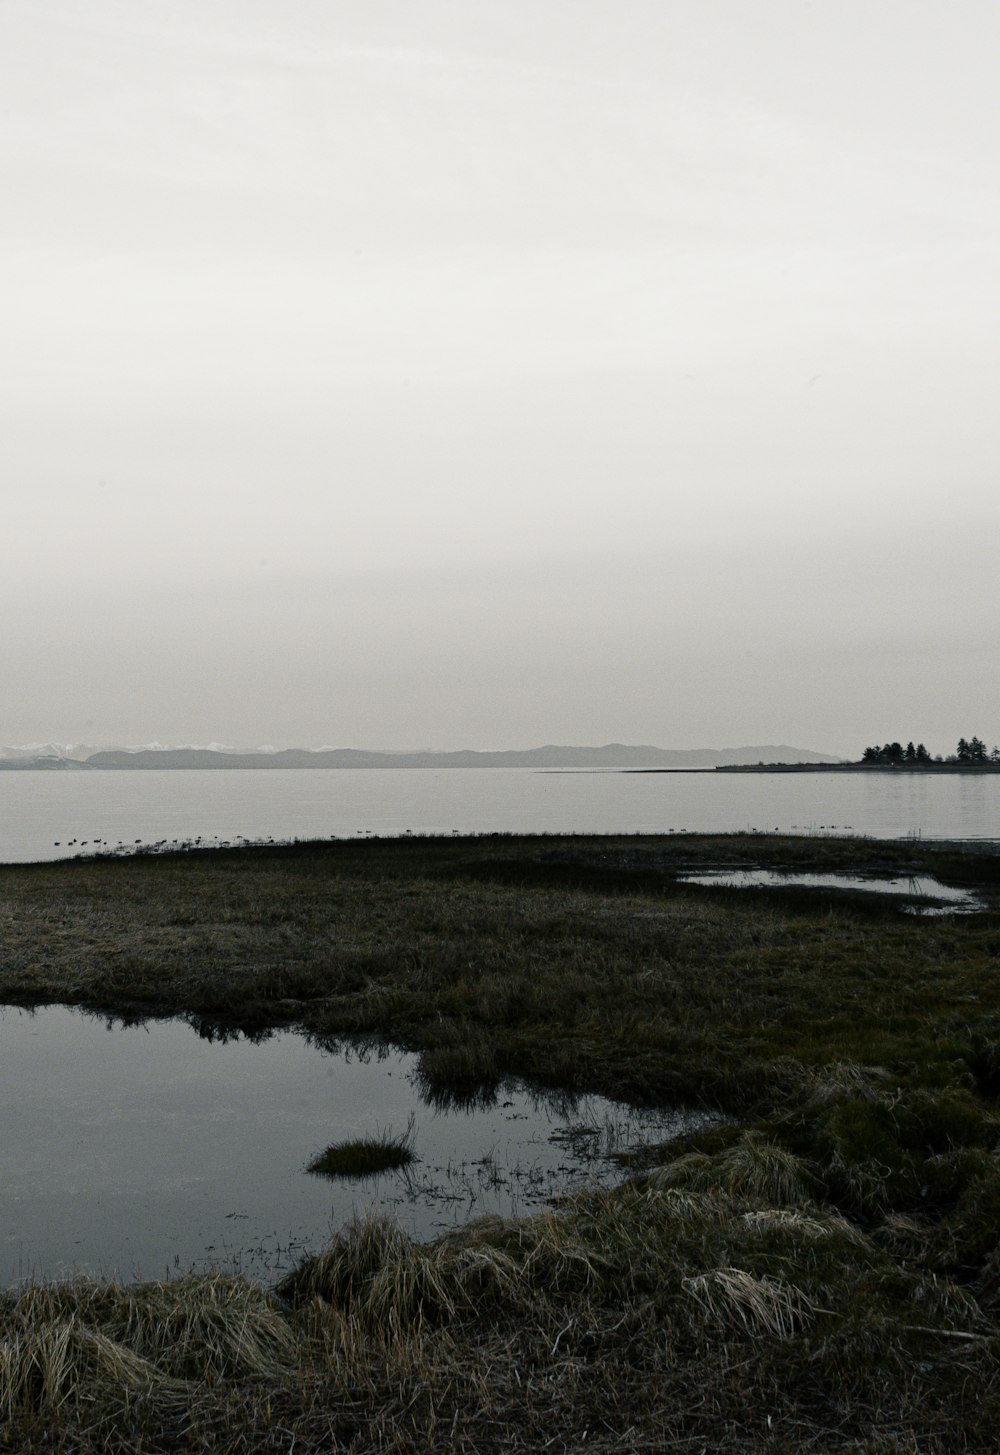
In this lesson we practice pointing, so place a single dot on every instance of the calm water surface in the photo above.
(931, 896)
(38, 809)
(149, 1150)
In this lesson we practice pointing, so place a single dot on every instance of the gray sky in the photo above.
(441, 373)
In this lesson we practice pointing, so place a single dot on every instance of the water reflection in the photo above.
(455, 1098)
(148, 1150)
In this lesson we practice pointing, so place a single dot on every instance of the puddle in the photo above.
(941, 898)
(148, 1151)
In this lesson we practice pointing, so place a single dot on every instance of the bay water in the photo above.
(51, 815)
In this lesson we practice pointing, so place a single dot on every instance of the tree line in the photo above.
(969, 750)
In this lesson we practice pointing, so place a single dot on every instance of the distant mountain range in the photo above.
(611, 755)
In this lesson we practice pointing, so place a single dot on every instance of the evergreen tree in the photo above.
(970, 751)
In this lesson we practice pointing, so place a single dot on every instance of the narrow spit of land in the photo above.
(823, 1272)
(974, 770)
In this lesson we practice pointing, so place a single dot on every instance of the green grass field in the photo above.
(820, 1274)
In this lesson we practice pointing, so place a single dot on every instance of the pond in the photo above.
(940, 898)
(152, 1150)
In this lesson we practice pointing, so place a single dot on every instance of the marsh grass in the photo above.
(650, 1312)
(363, 1157)
(822, 1273)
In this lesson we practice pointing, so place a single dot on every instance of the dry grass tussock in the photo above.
(191, 1327)
(63, 1366)
(381, 1277)
(731, 1298)
(106, 1360)
(753, 1168)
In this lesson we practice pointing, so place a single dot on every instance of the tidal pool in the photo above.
(146, 1151)
(940, 898)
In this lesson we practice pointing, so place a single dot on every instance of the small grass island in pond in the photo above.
(366, 1156)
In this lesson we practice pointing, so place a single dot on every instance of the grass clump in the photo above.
(363, 1157)
(63, 1367)
(97, 1365)
(754, 1168)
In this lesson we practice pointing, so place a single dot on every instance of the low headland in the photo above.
(970, 756)
(861, 767)
(822, 1272)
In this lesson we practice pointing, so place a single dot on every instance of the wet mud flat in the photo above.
(820, 1268)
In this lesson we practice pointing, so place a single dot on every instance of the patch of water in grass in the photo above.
(150, 1150)
(941, 898)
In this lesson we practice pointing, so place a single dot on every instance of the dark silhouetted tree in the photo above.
(889, 754)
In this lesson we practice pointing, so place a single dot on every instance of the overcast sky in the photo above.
(401, 373)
